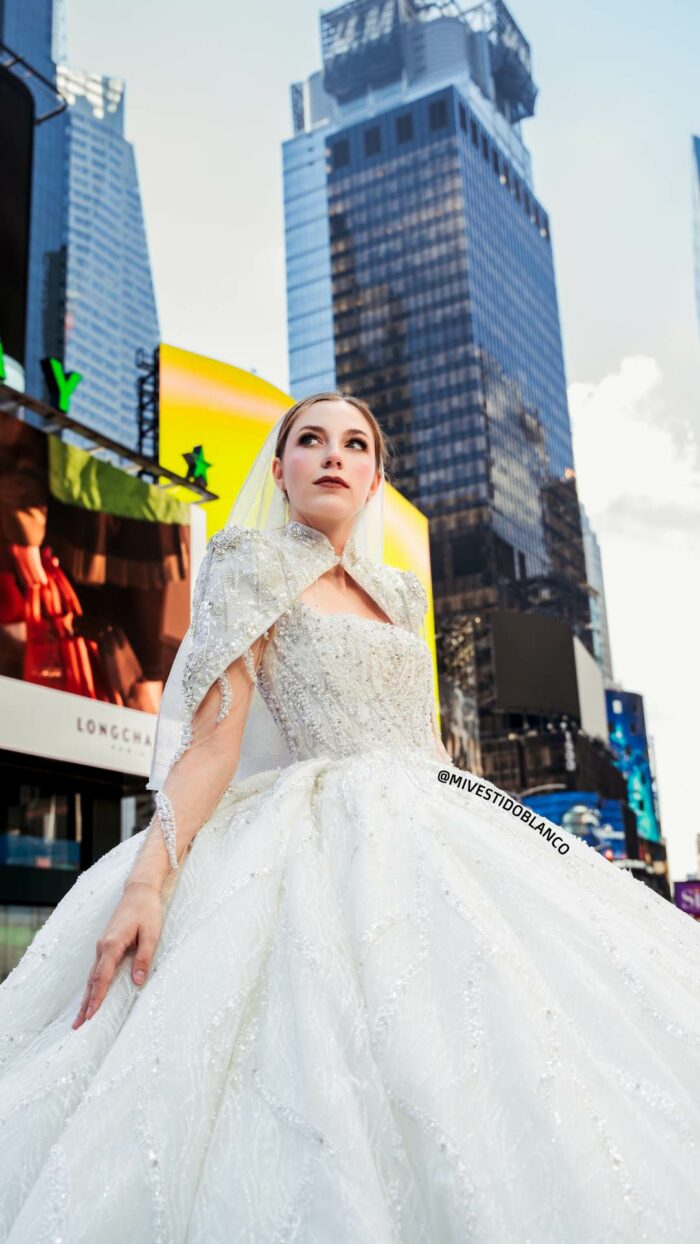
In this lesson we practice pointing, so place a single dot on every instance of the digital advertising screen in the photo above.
(629, 744)
(596, 820)
(95, 574)
(686, 896)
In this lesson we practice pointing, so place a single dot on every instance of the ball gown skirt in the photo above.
(383, 1010)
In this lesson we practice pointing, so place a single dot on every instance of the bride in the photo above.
(339, 991)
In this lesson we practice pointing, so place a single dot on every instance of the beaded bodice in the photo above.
(338, 684)
(248, 584)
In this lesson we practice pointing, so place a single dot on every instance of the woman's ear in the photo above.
(373, 487)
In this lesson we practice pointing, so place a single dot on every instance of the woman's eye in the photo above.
(355, 439)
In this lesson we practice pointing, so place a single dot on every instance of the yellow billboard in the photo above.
(213, 419)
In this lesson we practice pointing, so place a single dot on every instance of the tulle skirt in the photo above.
(382, 1010)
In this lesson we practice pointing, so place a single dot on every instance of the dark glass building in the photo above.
(421, 277)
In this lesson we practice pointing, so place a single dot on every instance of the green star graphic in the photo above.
(197, 465)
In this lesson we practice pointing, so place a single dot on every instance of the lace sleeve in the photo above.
(241, 589)
(200, 774)
(246, 580)
(415, 602)
(440, 750)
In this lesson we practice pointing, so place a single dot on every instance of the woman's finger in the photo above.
(109, 961)
(144, 953)
(99, 980)
(86, 997)
(127, 929)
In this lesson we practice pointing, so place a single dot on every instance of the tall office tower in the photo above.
(27, 31)
(110, 301)
(599, 614)
(420, 276)
(696, 218)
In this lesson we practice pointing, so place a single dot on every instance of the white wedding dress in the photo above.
(383, 1009)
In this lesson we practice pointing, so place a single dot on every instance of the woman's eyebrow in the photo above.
(314, 427)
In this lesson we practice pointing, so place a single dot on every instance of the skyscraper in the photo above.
(599, 613)
(420, 275)
(110, 301)
(90, 298)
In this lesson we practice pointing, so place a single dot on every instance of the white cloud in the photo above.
(642, 494)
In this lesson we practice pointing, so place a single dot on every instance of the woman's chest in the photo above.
(346, 676)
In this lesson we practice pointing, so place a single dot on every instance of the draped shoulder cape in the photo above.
(247, 579)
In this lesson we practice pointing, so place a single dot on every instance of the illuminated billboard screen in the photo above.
(686, 895)
(629, 744)
(95, 586)
(213, 420)
(598, 821)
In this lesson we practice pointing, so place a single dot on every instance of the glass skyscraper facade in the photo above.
(421, 277)
(599, 612)
(110, 301)
(90, 297)
(311, 341)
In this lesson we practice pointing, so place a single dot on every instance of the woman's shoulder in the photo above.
(416, 598)
(256, 549)
(415, 587)
(233, 537)
(400, 590)
(233, 563)
(408, 582)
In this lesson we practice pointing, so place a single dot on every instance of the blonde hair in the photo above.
(382, 446)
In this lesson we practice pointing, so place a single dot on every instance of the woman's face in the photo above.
(328, 438)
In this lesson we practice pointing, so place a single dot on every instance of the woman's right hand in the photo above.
(137, 923)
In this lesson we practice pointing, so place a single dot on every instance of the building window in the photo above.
(484, 146)
(373, 142)
(469, 554)
(404, 128)
(340, 153)
(494, 157)
(475, 132)
(437, 115)
(506, 172)
(463, 117)
(516, 187)
(527, 201)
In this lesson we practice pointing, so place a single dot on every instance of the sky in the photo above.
(207, 109)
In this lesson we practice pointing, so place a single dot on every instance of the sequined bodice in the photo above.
(338, 683)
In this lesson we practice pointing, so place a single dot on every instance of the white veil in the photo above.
(261, 505)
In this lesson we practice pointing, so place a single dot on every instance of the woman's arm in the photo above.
(198, 779)
(193, 787)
